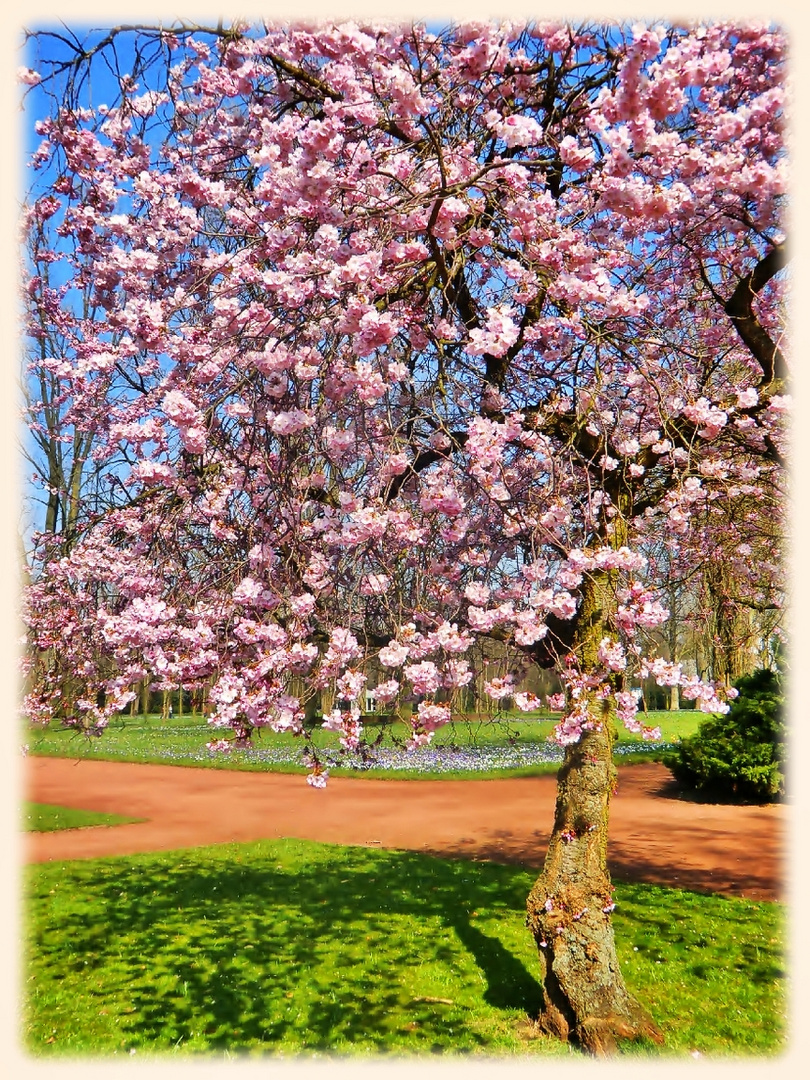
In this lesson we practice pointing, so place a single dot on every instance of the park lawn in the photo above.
(300, 948)
(183, 742)
(44, 817)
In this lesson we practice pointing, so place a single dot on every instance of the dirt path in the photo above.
(655, 836)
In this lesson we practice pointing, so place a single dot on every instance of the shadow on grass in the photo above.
(214, 950)
(509, 984)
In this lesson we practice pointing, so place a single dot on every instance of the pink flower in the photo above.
(291, 422)
(180, 409)
(28, 77)
(456, 673)
(343, 644)
(431, 717)
(563, 605)
(386, 691)
(482, 619)
(501, 332)
(515, 130)
(194, 439)
(286, 714)
(395, 465)
(350, 684)
(611, 654)
(477, 594)
(664, 673)
(500, 688)
(333, 721)
(302, 657)
(375, 584)
(527, 702)
(419, 738)
(370, 386)
(529, 628)
(302, 605)
(376, 330)
(578, 158)
(747, 398)
(447, 637)
(393, 654)
(423, 677)
(626, 705)
(247, 590)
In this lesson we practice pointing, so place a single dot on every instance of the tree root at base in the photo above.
(599, 1035)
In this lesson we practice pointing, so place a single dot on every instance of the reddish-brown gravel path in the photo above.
(655, 836)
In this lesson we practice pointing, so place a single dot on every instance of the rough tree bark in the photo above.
(729, 628)
(585, 998)
(673, 603)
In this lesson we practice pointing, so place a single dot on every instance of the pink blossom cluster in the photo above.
(372, 352)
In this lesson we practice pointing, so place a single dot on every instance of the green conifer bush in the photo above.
(739, 755)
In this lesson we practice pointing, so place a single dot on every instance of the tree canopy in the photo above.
(383, 339)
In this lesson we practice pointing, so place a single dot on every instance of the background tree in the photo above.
(396, 341)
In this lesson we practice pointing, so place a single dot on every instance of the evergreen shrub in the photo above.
(739, 755)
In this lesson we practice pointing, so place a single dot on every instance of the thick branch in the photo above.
(422, 461)
(739, 308)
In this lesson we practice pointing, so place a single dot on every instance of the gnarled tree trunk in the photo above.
(585, 998)
(568, 910)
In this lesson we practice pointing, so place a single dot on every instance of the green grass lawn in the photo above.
(44, 817)
(182, 741)
(294, 947)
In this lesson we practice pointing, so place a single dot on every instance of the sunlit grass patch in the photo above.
(296, 947)
(517, 746)
(713, 969)
(44, 817)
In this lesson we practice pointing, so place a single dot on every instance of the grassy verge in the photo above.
(515, 746)
(43, 817)
(293, 947)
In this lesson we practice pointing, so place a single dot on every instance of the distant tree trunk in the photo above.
(145, 688)
(568, 910)
(672, 635)
(729, 628)
(311, 709)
